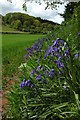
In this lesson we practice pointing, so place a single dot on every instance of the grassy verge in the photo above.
(14, 51)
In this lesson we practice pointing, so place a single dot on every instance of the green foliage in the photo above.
(70, 10)
(51, 97)
(37, 23)
(58, 97)
(17, 25)
(24, 22)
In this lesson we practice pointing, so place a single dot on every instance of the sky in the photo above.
(33, 9)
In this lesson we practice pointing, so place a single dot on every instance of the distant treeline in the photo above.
(26, 23)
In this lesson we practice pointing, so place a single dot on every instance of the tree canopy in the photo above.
(49, 3)
(27, 23)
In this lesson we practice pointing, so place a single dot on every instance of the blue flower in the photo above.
(32, 72)
(25, 83)
(61, 41)
(78, 33)
(51, 35)
(38, 77)
(32, 85)
(76, 56)
(51, 72)
(38, 68)
(26, 56)
(53, 41)
(28, 83)
(59, 72)
(42, 68)
(61, 65)
(44, 81)
(66, 52)
(47, 39)
(21, 86)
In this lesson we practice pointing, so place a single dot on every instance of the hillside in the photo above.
(25, 23)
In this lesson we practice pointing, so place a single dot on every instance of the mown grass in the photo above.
(14, 50)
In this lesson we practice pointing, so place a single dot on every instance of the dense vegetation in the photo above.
(26, 23)
(49, 86)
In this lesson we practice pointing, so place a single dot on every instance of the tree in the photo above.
(49, 3)
(44, 25)
(17, 24)
(70, 10)
(36, 23)
(26, 24)
(50, 27)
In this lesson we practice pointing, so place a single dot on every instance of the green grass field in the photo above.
(14, 51)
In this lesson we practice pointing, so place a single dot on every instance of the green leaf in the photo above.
(77, 100)
(48, 95)
(24, 100)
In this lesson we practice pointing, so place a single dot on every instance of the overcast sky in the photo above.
(33, 9)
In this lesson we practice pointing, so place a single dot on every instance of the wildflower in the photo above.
(61, 65)
(25, 83)
(38, 77)
(32, 72)
(28, 83)
(51, 72)
(32, 85)
(42, 68)
(21, 86)
(47, 39)
(53, 41)
(59, 57)
(44, 81)
(26, 56)
(55, 49)
(76, 56)
(47, 53)
(66, 52)
(59, 72)
(79, 33)
(51, 35)
(38, 68)
(62, 71)
(61, 41)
